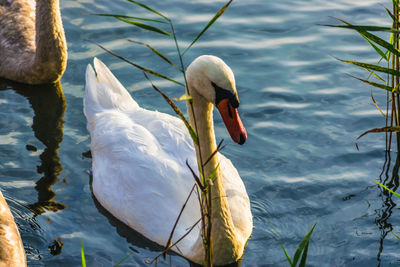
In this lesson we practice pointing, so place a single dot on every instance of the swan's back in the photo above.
(17, 31)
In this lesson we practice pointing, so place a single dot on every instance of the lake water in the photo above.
(302, 114)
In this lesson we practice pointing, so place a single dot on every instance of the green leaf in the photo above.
(177, 111)
(123, 259)
(129, 17)
(388, 189)
(138, 66)
(376, 75)
(157, 53)
(380, 52)
(303, 247)
(183, 97)
(390, 14)
(280, 242)
(398, 237)
(362, 27)
(373, 67)
(211, 22)
(381, 130)
(149, 8)
(372, 37)
(144, 26)
(378, 85)
(83, 256)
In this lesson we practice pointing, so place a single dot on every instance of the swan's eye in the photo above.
(221, 93)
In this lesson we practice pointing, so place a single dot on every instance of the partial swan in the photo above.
(33, 48)
(139, 170)
(12, 253)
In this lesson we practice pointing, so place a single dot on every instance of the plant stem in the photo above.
(205, 203)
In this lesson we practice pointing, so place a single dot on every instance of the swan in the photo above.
(33, 48)
(12, 251)
(139, 161)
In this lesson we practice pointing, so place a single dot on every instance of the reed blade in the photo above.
(129, 17)
(363, 30)
(158, 53)
(196, 178)
(149, 8)
(184, 97)
(177, 111)
(302, 249)
(377, 85)
(388, 189)
(398, 237)
(211, 22)
(386, 129)
(83, 256)
(280, 242)
(144, 26)
(373, 67)
(138, 66)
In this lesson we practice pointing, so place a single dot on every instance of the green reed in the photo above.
(165, 27)
(387, 64)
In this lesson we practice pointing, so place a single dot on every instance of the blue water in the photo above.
(301, 111)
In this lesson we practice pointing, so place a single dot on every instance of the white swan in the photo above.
(139, 170)
(33, 48)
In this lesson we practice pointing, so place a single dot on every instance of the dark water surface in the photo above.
(301, 111)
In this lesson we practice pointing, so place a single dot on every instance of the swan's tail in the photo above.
(104, 91)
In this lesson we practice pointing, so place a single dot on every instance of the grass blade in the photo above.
(211, 22)
(390, 14)
(380, 52)
(398, 237)
(376, 105)
(123, 259)
(157, 53)
(177, 111)
(168, 245)
(381, 130)
(280, 242)
(129, 17)
(83, 256)
(362, 27)
(144, 26)
(373, 67)
(376, 75)
(184, 97)
(149, 8)
(219, 148)
(372, 37)
(378, 85)
(138, 66)
(196, 178)
(301, 249)
(388, 189)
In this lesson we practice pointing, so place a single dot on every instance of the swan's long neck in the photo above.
(51, 48)
(225, 247)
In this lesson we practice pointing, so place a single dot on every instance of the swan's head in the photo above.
(211, 78)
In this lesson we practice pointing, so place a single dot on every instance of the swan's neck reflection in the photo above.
(48, 104)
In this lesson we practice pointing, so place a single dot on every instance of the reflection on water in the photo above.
(48, 104)
(390, 178)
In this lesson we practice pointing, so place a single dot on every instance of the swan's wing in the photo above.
(238, 200)
(138, 182)
(171, 133)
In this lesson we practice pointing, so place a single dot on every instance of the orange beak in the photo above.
(232, 121)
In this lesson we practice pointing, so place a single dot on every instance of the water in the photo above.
(302, 114)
